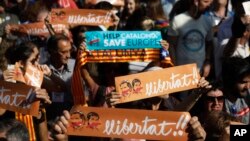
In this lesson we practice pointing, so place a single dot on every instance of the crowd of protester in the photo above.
(214, 34)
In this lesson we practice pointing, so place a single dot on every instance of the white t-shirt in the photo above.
(192, 34)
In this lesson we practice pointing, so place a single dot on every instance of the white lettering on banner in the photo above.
(90, 18)
(44, 29)
(176, 81)
(146, 127)
(11, 99)
(118, 42)
(138, 35)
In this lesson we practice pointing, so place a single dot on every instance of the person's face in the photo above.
(137, 85)
(34, 57)
(41, 16)
(214, 100)
(63, 52)
(204, 5)
(76, 120)
(93, 119)
(124, 87)
(243, 86)
(130, 6)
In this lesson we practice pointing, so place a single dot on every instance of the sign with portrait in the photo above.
(122, 123)
(89, 17)
(159, 82)
(98, 40)
(19, 98)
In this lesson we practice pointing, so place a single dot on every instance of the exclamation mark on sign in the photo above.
(195, 76)
(182, 124)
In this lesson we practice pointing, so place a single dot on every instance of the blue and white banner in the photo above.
(102, 40)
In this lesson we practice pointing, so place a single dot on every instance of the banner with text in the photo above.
(98, 40)
(89, 17)
(18, 98)
(122, 123)
(159, 82)
(35, 29)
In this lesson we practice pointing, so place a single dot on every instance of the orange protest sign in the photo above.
(89, 17)
(36, 29)
(122, 123)
(112, 56)
(33, 76)
(19, 98)
(159, 82)
(113, 2)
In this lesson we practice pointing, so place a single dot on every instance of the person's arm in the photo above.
(173, 43)
(89, 81)
(190, 101)
(51, 82)
(41, 124)
(208, 60)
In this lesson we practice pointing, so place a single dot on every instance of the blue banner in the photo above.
(102, 40)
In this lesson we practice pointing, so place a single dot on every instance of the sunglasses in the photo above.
(212, 99)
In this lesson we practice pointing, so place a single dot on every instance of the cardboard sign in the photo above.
(89, 17)
(122, 123)
(113, 2)
(18, 98)
(33, 76)
(36, 29)
(106, 56)
(246, 6)
(159, 82)
(98, 40)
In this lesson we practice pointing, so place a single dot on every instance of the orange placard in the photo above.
(19, 98)
(113, 2)
(156, 83)
(36, 29)
(89, 17)
(122, 123)
(33, 76)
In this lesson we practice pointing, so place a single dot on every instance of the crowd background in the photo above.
(214, 34)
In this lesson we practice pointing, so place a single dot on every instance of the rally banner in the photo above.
(90, 17)
(19, 98)
(99, 40)
(113, 2)
(159, 82)
(122, 123)
(35, 29)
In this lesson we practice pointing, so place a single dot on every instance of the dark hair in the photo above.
(126, 82)
(15, 130)
(134, 81)
(19, 52)
(92, 114)
(82, 116)
(215, 124)
(52, 42)
(234, 69)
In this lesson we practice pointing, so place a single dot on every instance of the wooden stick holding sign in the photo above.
(89, 17)
(122, 123)
(156, 83)
(18, 98)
